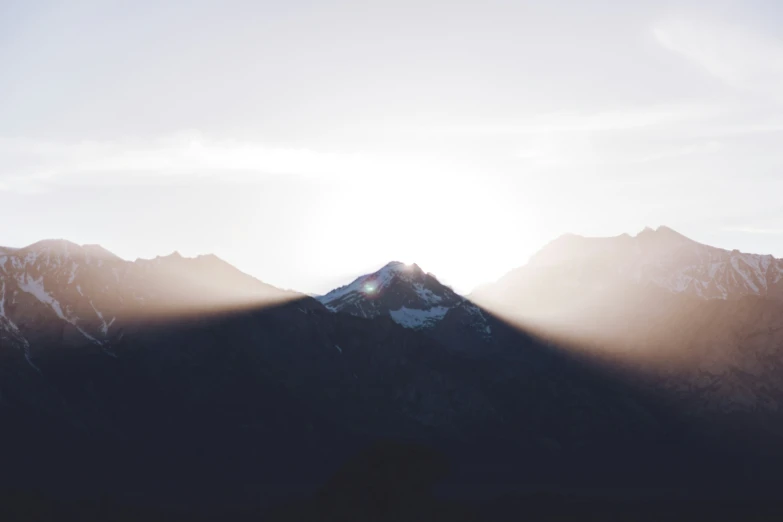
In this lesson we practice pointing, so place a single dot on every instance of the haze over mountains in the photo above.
(660, 258)
(90, 289)
(649, 361)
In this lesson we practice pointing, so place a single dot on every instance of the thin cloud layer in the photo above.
(188, 156)
(347, 136)
(745, 59)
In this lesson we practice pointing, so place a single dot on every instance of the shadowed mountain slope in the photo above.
(226, 402)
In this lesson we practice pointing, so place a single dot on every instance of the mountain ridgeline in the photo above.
(185, 381)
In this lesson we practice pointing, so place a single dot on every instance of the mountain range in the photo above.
(661, 259)
(90, 289)
(645, 362)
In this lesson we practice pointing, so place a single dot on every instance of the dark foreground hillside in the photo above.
(397, 482)
(297, 413)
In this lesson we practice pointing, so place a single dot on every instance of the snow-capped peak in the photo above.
(372, 286)
(403, 292)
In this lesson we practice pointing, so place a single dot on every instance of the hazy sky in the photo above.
(309, 141)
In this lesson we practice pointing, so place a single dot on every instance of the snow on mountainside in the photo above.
(412, 298)
(58, 292)
(660, 258)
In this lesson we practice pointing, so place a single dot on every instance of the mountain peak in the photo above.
(659, 258)
(65, 248)
(663, 236)
(393, 265)
(413, 299)
(405, 269)
(404, 292)
(662, 230)
(57, 245)
(371, 285)
(569, 248)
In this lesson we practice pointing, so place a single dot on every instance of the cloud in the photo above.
(28, 165)
(585, 150)
(585, 153)
(620, 119)
(620, 136)
(743, 58)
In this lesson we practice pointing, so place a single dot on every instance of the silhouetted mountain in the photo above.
(185, 381)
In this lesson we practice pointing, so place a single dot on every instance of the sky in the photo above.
(307, 142)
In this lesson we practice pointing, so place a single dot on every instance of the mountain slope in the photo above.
(573, 271)
(190, 394)
(693, 321)
(283, 393)
(57, 293)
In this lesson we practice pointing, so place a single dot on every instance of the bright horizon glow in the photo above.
(307, 143)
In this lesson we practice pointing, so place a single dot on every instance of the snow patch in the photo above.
(35, 287)
(104, 325)
(415, 318)
(16, 332)
(74, 268)
(426, 295)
